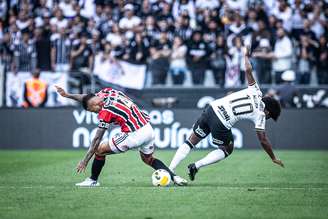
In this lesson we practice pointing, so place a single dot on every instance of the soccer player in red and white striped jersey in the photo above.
(119, 108)
(114, 106)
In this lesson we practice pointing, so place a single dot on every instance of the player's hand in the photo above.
(278, 162)
(61, 91)
(81, 166)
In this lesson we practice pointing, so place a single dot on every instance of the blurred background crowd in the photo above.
(181, 42)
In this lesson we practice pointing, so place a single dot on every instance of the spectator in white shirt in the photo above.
(317, 20)
(23, 22)
(98, 16)
(207, 4)
(237, 28)
(184, 6)
(178, 66)
(282, 54)
(129, 21)
(252, 20)
(87, 8)
(297, 18)
(59, 20)
(283, 12)
(67, 6)
(240, 5)
(114, 37)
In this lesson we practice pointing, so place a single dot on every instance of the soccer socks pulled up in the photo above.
(181, 154)
(97, 165)
(212, 157)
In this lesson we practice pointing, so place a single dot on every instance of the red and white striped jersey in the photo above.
(119, 109)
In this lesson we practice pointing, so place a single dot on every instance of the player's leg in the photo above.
(223, 138)
(200, 131)
(114, 146)
(99, 159)
(97, 165)
(184, 150)
(146, 149)
(145, 142)
(157, 164)
(211, 158)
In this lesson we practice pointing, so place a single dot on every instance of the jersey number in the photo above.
(241, 106)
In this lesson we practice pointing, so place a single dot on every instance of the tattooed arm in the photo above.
(76, 97)
(92, 149)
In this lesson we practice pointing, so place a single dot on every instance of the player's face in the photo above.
(95, 104)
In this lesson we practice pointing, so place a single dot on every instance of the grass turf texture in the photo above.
(40, 184)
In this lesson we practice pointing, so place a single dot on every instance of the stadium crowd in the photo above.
(172, 37)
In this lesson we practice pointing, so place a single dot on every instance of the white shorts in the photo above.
(143, 139)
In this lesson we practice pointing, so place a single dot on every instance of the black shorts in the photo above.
(207, 123)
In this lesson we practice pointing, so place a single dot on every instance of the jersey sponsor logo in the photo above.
(223, 113)
(200, 132)
(217, 141)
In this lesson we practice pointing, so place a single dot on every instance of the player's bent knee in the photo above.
(147, 158)
(103, 149)
(227, 150)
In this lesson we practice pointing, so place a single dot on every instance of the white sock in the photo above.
(181, 154)
(212, 157)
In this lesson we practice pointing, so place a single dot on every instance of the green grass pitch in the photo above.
(40, 184)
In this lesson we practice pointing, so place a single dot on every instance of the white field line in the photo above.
(192, 187)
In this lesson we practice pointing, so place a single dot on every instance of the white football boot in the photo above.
(88, 183)
(178, 180)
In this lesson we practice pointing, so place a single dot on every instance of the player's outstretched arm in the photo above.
(76, 97)
(248, 68)
(268, 147)
(92, 149)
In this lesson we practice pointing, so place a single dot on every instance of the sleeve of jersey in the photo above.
(104, 119)
(255, 89)
(260, 122)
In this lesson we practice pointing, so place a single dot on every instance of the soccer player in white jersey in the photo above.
(219, 117)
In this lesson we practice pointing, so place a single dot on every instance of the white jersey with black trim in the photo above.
(244, 104)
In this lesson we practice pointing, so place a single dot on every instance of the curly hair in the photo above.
(273, 106)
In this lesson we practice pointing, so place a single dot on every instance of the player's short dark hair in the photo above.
(85, 100)
(273, 106)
